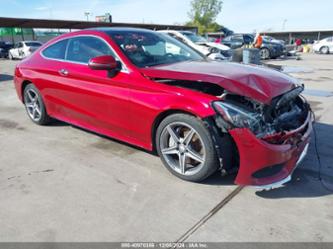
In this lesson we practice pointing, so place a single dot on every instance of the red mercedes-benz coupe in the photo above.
(152, 91)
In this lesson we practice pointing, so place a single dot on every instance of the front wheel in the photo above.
(34, 105)
(186, 147)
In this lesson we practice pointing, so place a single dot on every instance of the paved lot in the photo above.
(60, 183)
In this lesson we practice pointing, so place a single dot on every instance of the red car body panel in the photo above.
(127, 106)
(256, 154)
(123, 107)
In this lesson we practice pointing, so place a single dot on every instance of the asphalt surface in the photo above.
(61, 183)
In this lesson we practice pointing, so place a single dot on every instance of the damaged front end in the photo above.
(262, 141)
(270, 138)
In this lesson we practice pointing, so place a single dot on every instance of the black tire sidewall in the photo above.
(44, 116)
(211, 162)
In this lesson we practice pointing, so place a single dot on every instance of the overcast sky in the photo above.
(238, 15)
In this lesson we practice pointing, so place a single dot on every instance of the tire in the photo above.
(265, 54)
(194, 145)
(324, 50)
(10, 56)
(35, 106)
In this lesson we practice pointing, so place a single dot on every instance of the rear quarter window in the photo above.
(56, 50)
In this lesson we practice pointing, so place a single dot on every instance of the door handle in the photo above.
(63, 72)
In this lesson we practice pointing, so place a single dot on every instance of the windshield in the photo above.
(33, 44)
(193, 37)
(146, 48)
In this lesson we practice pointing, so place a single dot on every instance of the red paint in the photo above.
(126, 106)
(104, 62)
(256, 154)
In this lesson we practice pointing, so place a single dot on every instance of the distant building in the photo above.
(18, 29)
(104, 18)
(307, 35)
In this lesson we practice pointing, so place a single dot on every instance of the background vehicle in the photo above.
(4, 48)
(199, 115)
(23, 48)
(213, 50)
(324, 46)
(268, 49)
(272, 39)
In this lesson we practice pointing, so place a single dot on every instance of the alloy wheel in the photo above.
(32, 104)
(182, 148)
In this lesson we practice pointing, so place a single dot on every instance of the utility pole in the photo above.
(284, 24)
(86, 14)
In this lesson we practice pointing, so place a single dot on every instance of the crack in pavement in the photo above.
(209, 215)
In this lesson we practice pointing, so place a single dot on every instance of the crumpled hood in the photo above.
(256, 82)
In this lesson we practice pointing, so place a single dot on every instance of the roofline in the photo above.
(297, 31)
(280, 32)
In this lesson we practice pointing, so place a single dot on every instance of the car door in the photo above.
(14, 51)
(20, 50)
(90, 98)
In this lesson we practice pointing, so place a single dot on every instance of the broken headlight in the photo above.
(238, 116)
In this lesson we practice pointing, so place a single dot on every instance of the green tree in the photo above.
(203, 15)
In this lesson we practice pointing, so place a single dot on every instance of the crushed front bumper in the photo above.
(267, 165)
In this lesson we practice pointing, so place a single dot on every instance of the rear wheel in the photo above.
(324, 50)
(34, 105)
(186, 147)
(265, 54)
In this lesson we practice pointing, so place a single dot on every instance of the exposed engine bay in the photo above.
(285, 113)
(205, 87)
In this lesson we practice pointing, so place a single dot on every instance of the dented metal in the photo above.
(277, 129)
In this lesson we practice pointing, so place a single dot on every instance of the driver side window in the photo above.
(82, 49)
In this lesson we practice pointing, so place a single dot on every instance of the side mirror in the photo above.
(104, 62)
